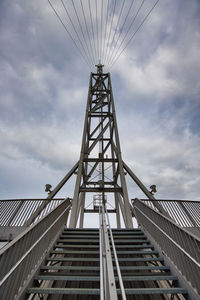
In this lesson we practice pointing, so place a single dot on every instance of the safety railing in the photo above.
(107, 252)
(16, 212)
(181, 247)
(21, 257)
(107, 279)
(184, 212)
(121, 284)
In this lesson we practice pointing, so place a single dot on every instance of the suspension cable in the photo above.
(68, 32)
(140, 7)
(143, 21)
(110, 29)
(68, 14)
(97, 32)
(92, 28)
(105, 32)
(88, 33)
(89, 51)
(115, 30)
(129, 10)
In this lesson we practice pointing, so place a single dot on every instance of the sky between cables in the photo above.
(101, 30)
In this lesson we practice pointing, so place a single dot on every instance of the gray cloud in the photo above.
(44, 85)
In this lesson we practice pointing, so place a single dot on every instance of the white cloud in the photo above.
(44, 87)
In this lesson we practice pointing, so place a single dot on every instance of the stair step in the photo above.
(63, 291)
(152, 291)
(127, 233)
(96, 241)
(73, 259)
(79, 241)
(127, 230)
(144, 268)
(138, 252)
(135, 246)
(141, 236)
(80, 268)
(97, 278)
(65, 235)
(97, 252)
(89, 259)
(132, 241)
(126, 259)
(87, 291)
(97, 268)
(97, 246)
(74, 252)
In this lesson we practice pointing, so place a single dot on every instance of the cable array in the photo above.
(101, 30)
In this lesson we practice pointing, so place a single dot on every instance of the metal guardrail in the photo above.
(21, 257)
(107, 279)
(121, 284)
(181, 247)
(184, 212)
(16, 212)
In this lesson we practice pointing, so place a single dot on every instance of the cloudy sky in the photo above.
(44, 84)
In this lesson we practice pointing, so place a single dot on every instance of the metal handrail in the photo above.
(108, 287)
(184, 212)
(16, 212)
(101, 257)
(181, 247)
(116, 259)
(24, 254)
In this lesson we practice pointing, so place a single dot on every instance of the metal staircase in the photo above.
(47, 259)
(72, 268)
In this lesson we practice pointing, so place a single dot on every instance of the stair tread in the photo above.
(97, 246)
(87, 291)
(97, 278)
(97, 252)
(78, 241)
(122, 268)
(97, 259)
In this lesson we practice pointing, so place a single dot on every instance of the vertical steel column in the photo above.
(129, 222)
(73, 217)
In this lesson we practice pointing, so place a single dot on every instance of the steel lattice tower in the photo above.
(100, 150)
